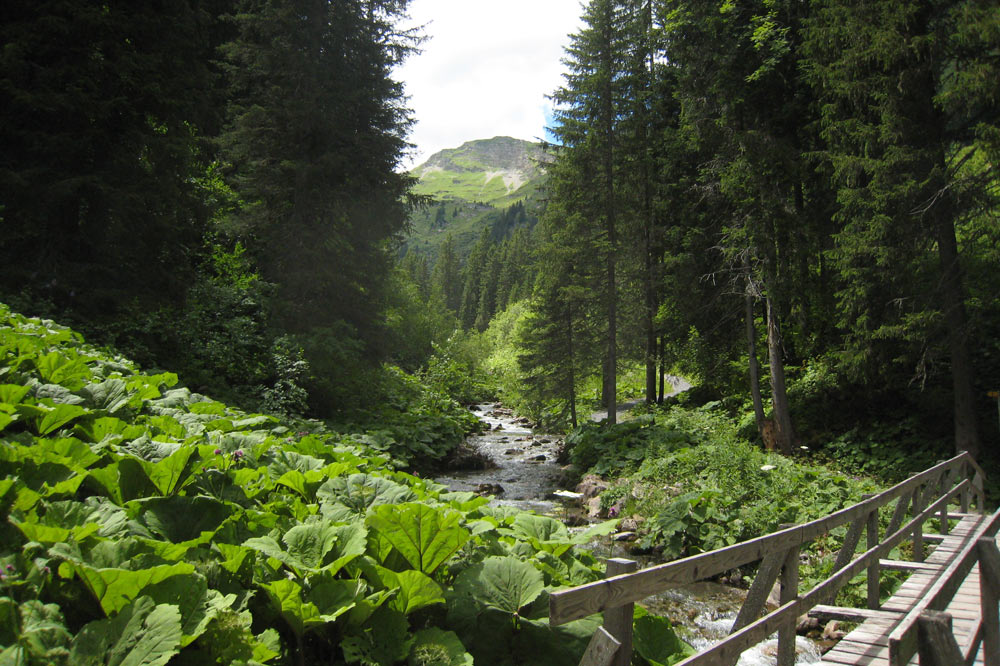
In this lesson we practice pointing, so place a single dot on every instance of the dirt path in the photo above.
(677, 385)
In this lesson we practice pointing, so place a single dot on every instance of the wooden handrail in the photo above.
(903, 641)
(776, 548)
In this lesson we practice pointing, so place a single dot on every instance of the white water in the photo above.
(527, 471)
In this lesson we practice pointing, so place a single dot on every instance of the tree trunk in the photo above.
(953, 306)
(663, 372)
(783, 433)
(758, 402)
(608, 112)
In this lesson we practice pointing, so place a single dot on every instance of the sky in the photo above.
(485, 69)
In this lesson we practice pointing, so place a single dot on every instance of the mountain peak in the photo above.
(482, 170)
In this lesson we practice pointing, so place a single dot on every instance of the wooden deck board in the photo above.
(868, 644)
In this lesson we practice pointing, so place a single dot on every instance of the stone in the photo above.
(511, 452)
(806, 624)
(591, 486)
(832, 631)
(489, 489)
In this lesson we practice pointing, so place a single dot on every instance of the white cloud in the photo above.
(485, 69)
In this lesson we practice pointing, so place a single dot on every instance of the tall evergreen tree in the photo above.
(316, 134)
(879, 67)
(103, 109)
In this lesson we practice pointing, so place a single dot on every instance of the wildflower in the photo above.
(613, 512)
(10, 567)
(238, 454)
(767, 468)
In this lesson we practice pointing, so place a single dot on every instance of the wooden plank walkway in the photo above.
(868, 644)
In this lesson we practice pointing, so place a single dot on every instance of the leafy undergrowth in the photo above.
(147, 524)
(693, 485)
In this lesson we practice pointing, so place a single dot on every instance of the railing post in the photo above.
(943, 487)
(873, 570)
(918, 530)
(789, 592)
(966, 473)
(989, 594)
(618, 621)
(936, 641)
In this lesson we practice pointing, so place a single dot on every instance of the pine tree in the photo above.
(880, 67)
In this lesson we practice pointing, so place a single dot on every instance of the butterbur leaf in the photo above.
(425, 536)
(111, 395)
(58, 369)
(655, 640)
(505, 583)
(116, 588)
(301, 616)
(59, 395)
(541, 528)
(309, 543)
(12, 394)
(385, 643)
(358, 492)
(181, 519)
(57, 417)
(104, 427)
(436, 647)
(42, 632)
(196, 603)
(173, 472)
(142, 634)
(416, 590)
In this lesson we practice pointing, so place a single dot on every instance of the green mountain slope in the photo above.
(472, 186)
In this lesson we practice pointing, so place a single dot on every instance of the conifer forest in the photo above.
(756, 276)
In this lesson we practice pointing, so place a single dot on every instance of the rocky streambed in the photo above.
(521, 468)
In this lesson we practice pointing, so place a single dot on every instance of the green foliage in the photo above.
(180, 527)
(655, 640)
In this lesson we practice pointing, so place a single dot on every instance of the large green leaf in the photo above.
(111, 395)
(198, 605)
(302, 615)
(655, 639)
(425, 536)
(414, 590)
(57, 417)
(12, 394)
(436, 647)
(173, 472)
(309, 543)
(38, 636)
(358, 492)
(59, 369)
(142, 634)
(115, 588)
(314, 546)
(181, 518)
(505, 583)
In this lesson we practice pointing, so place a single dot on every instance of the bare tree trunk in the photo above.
(758, 402)
(783, 433)
(663, 372)
(953, 306)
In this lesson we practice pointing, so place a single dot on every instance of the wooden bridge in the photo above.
(944, 614)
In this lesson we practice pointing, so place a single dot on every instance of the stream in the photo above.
(527, 476)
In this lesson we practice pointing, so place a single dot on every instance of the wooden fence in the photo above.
(924, 496)
(927, 629)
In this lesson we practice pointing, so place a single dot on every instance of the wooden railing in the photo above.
(927, 629)
(925, 496)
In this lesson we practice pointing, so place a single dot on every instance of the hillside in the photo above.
(471, 187)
